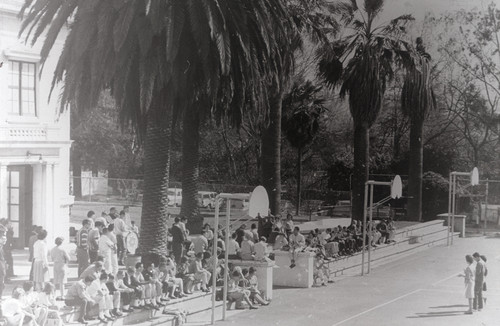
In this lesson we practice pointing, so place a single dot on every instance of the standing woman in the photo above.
(60, 258)
(469, 282)
(483, 258)
(40, 261)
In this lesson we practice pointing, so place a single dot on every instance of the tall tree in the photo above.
(159, 58)
(317, 20)
(361, 63)
(303, 107)
(417, 98)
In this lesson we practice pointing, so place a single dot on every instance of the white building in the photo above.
(34, 138)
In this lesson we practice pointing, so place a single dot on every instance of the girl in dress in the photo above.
(40, 261)
(468, 275)
(48, 296)
(60, 258)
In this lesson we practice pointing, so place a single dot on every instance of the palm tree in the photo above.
(317, 20)
(159, 58)
(417, 99)
(190, 169)
(302, 110)
(361, 63)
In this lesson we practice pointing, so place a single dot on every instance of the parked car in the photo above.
(239, 203)
(174, 196)
(206, 199)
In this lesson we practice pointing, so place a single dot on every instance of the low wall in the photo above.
(300, 276)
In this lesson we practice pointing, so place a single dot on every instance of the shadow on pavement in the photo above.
(438, 314)
(452, 306)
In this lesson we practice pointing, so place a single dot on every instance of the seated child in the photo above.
(321, 271)
(99, 292)
(126, 292)
(237, 293)
(151, 275)
(77, 296)
(200, 273)
(116, 294)
(130, 281)
(187, 278)
(47, 297)
(148, 292)
(253, 286)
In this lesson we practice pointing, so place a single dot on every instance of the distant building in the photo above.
(34, 139)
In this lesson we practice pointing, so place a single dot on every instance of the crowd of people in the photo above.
(105, 286)
(112, 289)
(272, 233)
(475, 281)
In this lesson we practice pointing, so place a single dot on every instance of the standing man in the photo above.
(178, 239)
(112, 213)
(126, 218)
(3, 264)
(82, 246)
(94, 235)
(103, 219)
(91, 218)
(478, 282)
(9, 245)
(121, 231)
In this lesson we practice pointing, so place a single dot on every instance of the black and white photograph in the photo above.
(250, 162)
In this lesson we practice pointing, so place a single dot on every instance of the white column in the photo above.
(48, 217)
(3, 190)
(38, 191)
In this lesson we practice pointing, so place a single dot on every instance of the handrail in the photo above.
(389, 255)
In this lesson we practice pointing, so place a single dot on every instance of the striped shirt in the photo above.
(82, 237)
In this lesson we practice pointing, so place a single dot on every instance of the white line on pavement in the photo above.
(376, 307)
(445, 279)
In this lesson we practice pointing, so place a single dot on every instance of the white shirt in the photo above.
(200, 244)
(40, 252)
(297, 240)
(106, 245)
(120, 226)
(280, 242)
(260, 250)
(233, 247)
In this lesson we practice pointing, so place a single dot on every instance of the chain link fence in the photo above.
(130, 192)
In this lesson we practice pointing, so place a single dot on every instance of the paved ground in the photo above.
(421, 289)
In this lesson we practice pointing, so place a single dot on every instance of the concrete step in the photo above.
(419, 229)
(195, 303)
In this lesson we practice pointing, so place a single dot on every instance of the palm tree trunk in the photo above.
(154, 229)
(360, 170)
(76, 164)
(190, 171)
(271, 154)
(415, 171)
(299, 178)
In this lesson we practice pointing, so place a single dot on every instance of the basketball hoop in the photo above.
(258, 203)
(474, 177)
(396, 187)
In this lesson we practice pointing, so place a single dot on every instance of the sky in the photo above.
(418, 8)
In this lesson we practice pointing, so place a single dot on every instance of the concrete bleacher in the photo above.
(407, 240)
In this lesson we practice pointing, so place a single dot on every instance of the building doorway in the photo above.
(20, 202)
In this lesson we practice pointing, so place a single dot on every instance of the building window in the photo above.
(14, 202)
(22, 88)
